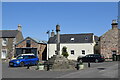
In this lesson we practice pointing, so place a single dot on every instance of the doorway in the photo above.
(114, 57)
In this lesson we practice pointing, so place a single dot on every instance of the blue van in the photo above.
(24, 60)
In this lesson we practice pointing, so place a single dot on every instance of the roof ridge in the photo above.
(9, 30)
(37, 39)
(78, 34)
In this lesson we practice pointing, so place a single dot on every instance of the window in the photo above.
(97, 43)
(4, 42)
(14, 41)
(32, 57)
(20, 57)
(83, 52)
(72, 52)
(28, 43)
(86, 38)
(72, 39)
(26, 57)
(4, 53)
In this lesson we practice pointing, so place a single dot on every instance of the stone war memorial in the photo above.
(59, 62)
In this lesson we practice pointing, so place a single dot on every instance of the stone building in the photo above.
(109, 41)
(31, 45)
(8, 39)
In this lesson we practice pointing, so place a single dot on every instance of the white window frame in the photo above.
(14, 41)
(72, 50)
(82, 52)
(3, 44)
(72, 39)
(1, 53)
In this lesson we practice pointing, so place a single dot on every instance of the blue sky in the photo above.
(73, 17)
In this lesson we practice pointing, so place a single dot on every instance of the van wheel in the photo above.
(96, 61)
(22, 64)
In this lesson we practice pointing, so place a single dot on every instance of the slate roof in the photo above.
(8, 33)
(39, 41)
(78, 38)
(36, 40)
(96, 38)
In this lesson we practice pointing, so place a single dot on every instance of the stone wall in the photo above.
(40, 47)
(23, 44)
(19, 37)
(109, 43)
(119, 41)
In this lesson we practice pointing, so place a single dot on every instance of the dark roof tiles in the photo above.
(73, 38)
(8, 33)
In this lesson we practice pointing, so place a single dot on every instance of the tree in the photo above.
(64, 52)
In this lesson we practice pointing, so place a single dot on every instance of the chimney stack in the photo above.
(52, 33)
(19, 27)
(114, 24)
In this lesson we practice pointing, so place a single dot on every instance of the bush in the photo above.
(64, 52)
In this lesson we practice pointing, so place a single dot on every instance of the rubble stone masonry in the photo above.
(109, 43)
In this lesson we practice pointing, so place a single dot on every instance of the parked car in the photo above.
(91, 58)
(24, 60)
(25, 54)
(22, 55)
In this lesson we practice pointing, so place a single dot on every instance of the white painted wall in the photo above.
(77, 47)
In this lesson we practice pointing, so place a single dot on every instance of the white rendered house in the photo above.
(77, 44)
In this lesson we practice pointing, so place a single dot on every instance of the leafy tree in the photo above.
(64, 52)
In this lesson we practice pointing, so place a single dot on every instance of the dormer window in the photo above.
(72, 39)
(86, 38)
(4, 41)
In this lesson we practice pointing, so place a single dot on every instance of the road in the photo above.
(97, 70)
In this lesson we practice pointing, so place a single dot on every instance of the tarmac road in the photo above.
(97, 70)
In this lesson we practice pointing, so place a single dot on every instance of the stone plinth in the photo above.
(58, 62)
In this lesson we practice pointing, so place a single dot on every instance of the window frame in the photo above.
(72, 53)
(28, 43)
(84, 52)
(6, 53)
(72, 39)
(4, 44)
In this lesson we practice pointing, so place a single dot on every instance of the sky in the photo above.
(36, 18)
(119, 14)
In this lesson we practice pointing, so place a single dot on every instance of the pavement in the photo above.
(97, 70)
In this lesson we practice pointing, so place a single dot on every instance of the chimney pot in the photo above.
(52, 33)
(114, 24)
(19, 27)
(113, 21)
